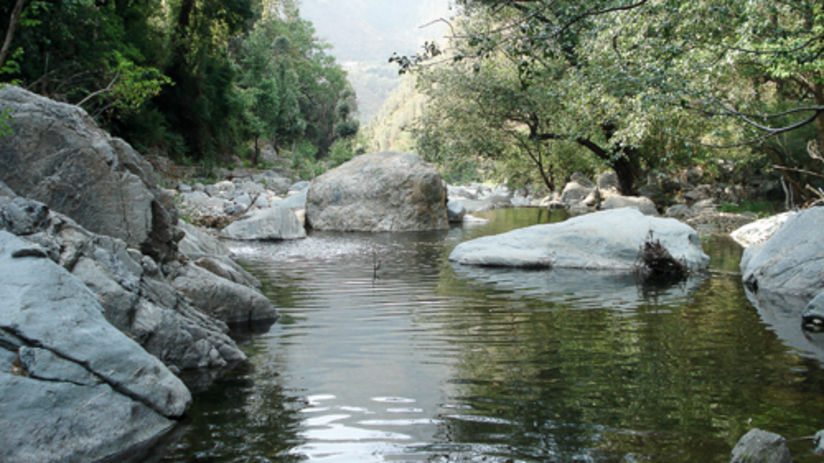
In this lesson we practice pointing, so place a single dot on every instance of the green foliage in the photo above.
(760, 208)
(635, 86)
(196, 79)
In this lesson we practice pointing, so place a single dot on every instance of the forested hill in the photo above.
(203, 80)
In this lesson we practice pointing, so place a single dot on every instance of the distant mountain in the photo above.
(365, 33)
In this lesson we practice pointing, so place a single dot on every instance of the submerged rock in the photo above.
(607, 240)
(759, 446)
(378, 192)
(58, 156)
(72, 387)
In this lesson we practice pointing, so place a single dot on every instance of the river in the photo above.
(387, 352)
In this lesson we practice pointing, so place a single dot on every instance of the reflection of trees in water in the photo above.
(671, 379)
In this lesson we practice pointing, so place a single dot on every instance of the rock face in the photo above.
(790, 262)
(273, 223)
(135, 295)
(99, 391)
(759, 231)
(608, 240)
(759, 446)
(378, 192)
(58, 156)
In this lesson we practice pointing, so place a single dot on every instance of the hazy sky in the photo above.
(371, 30)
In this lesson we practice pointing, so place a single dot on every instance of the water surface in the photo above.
(387, 352)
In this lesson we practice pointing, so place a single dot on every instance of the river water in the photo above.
(387, 352)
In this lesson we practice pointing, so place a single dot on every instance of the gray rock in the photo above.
(378, 192)
(575, 192)
(582, 179)
(455, 211)
(299, 186)
(759, 446)
(228, 269)
(759, 231)
(42, 299)
(198, 242)
(813, 316)
(608, 181)
(607, 240)
(58, 156)
(56, 421)
(135, 296)
(789, 262)
(221, 298)
(274, 223)
(642, 203)
(295, 201)
(678, 211)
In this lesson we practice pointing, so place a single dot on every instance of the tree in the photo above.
(614, 74)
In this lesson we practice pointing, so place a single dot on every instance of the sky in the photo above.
(369, 31)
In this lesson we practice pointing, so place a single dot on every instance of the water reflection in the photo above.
(579, 289)
(424, 361)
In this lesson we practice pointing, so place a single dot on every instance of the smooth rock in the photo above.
(642, 203)
(759, 231)
(378, 192)
(575, 192)
(275, 223)
(58, 156)
(790, 261)
(226, 300)
(455, 211)
(759, 446)
(602, 240)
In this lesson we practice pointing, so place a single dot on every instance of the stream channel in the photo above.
(423, 360)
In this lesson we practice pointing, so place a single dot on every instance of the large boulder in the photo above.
(135, 295)
(790, 262)
(608, 240)
(59, 156)
(72, 387)
(378, 192)
(274, 223)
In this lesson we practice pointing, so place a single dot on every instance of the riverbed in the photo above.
(385, 351)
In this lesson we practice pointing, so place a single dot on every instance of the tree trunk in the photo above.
(627, 171)
(13, 19)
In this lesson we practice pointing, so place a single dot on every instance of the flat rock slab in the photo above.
(378, 192)
(607, 240)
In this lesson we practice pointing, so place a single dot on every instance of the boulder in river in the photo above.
(606, 240)
(759, 446)
(59, 156)
(759, 231)
(790, 261)
(72, 387)
(385, 191)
